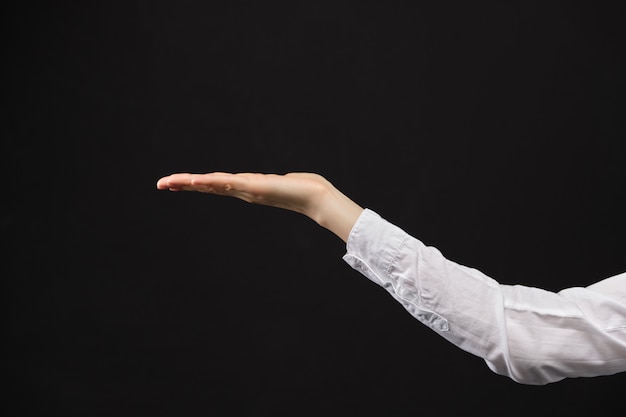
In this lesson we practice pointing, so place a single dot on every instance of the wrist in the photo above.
(334, 211)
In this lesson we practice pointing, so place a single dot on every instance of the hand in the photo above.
(294, 191)
(306, 193)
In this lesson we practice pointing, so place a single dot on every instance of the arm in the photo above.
(305, 193)
(530, 335)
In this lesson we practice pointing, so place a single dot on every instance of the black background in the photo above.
(491, 130)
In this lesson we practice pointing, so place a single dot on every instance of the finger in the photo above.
(219, 183)
(175, 182)
(215, 183)
(162, 183)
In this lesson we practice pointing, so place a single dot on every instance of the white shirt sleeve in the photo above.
(531, 335)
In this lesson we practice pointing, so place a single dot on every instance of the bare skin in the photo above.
(305, 193)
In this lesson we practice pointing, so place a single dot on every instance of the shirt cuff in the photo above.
(374, 248)
(372, 245)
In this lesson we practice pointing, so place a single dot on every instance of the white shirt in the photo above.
(531, 335)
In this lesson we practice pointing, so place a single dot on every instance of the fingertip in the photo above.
(162, 183)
